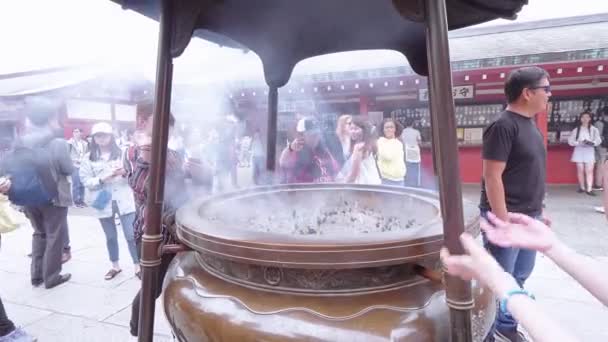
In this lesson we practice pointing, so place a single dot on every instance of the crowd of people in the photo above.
(110, 175)
(357, 153)
(110, 179)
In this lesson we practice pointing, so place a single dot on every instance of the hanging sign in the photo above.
(458, 92)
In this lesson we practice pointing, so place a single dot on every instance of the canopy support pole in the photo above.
(152, 238)
(271, 147)
(445, 148)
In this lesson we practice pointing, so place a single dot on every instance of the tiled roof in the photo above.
(554, 35)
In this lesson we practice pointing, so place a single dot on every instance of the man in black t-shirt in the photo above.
(514, 170)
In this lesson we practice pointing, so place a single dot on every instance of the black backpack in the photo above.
(32, 182)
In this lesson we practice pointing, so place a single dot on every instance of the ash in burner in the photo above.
(348, 217)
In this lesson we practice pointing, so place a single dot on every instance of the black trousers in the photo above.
(6, 326)
(164, 266)
(66, 247)
(48, 242)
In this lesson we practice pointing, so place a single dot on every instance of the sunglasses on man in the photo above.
(547, 89)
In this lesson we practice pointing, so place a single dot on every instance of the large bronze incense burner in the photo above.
(322, 262)
(315, 283)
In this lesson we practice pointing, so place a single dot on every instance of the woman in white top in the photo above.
(360, 168)
(108, 192)
(585, 137)
(343, 133)
(411, 144)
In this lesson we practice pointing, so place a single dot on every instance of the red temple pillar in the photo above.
(541, 123)
(363, 105)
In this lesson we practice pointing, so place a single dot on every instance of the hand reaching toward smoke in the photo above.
(521, 231)
(477, 264)
(480, 265)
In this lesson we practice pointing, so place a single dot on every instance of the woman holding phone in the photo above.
(361, 167)
(108, 192)
(585, 137)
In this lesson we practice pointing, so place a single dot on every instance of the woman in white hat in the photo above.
(109, 194)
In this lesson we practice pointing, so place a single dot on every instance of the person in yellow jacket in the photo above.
(390, 155)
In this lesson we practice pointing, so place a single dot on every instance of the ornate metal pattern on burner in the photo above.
(309, 280)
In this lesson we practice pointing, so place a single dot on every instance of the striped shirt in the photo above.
(138, 171)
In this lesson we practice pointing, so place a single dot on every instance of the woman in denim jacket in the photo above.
(108, 192)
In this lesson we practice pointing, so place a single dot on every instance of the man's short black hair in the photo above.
(146, 110)
(521, 78)
(40, 111)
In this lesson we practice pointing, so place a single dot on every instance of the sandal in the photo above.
(112, 274)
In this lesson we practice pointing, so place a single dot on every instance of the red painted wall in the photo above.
(470, 165)
(560, 170)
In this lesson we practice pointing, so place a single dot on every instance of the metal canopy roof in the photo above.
(283, 33)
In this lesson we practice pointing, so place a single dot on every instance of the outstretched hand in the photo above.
(477, 264)
(520, 231)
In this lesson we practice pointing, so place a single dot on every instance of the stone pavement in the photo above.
(88, 308)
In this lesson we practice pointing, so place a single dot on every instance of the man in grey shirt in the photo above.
(49, 221)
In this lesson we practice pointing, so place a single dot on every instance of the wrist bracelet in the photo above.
(509, 294)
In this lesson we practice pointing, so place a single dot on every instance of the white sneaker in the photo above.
(600, 210)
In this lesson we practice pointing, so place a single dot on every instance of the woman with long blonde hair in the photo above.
(339, 143)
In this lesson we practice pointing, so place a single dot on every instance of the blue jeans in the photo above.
(77, 188)
(517, 262)
(412, 177)
(109, 229)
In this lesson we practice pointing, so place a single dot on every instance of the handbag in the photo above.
(101, 201)
(412, 153)
(10, 219)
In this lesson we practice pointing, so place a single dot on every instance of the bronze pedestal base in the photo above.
(202, 305)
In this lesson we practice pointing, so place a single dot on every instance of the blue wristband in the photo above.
(508, 295)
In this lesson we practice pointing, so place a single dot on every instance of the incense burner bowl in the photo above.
(315, 262)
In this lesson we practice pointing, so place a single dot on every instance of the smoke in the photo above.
(220, 99)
